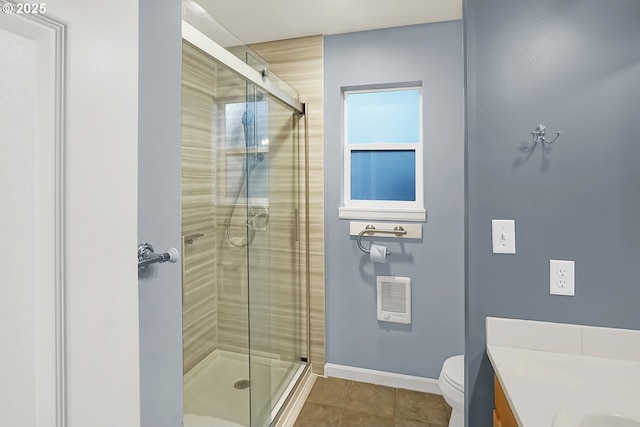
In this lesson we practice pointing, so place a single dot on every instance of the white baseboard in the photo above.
(389, 379)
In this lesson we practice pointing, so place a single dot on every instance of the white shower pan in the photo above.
(211, 398)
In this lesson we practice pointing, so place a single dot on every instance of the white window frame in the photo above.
(382, 209)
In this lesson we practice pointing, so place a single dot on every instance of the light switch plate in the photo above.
(503, 236)
(562, 277)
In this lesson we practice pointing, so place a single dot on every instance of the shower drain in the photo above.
(241, 384)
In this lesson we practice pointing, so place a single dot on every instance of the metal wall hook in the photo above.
(146, 256)
(398, 231)
(539, 135)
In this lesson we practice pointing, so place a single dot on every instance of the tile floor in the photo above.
(336, 402)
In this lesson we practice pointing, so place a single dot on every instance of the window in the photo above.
(246, 145)
(383, 154)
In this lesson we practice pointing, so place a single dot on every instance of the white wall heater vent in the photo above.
(394, 299)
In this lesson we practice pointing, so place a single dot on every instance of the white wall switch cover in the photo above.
(503, 236)
(562, 277)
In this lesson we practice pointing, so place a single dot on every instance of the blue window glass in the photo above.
(383, 116)
(383, 175)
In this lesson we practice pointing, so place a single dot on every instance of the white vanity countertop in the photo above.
(544, 367)
(538, 384)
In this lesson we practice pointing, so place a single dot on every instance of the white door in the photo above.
(69, 327)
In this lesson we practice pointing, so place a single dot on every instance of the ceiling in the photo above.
(255, 21)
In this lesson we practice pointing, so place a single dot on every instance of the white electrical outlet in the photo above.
(562, 277)
(503, 236)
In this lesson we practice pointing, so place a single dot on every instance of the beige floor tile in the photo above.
(401, 422)
(330, 391)
(425, 407)
(371, 398)
(362, 419)
(448, 409)
(317, 415)
(335, 402)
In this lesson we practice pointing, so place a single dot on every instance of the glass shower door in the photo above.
(275, 299)
(244, 300)
(258, 259)
(214, 226)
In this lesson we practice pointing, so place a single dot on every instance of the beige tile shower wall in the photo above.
(198, 207)
(300, 63)
(232, 274)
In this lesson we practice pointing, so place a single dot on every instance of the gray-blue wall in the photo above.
(160, 287)
(574, 66)
(433, 54)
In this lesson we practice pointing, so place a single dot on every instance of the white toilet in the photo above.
(451, 384)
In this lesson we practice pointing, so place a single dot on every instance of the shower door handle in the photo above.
(188, 240)
(147, 257)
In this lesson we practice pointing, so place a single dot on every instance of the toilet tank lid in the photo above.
(453, 368)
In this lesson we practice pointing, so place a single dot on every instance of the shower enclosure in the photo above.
(245, 311)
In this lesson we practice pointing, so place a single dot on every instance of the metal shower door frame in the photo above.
(260, 79)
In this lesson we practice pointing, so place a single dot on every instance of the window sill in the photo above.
(389, 214)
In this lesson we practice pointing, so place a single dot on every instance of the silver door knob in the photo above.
(147, 257)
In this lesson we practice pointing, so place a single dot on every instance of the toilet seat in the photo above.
(453, 372)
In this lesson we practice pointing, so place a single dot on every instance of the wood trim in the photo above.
(502, 415)
(496, 420)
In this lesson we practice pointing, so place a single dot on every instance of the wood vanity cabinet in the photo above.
(502, 414)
